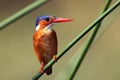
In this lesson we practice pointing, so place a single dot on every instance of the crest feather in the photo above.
(41, 18)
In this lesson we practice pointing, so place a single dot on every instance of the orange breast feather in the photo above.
(45, 45)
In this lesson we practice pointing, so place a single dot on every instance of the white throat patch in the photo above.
(49, 27)
(37, 27)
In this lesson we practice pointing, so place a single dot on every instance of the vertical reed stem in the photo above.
(87, 44)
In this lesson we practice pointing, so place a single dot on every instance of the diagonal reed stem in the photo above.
(87, 44)
(76, 39)
(21, 13)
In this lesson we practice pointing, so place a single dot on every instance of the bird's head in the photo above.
(47, 21)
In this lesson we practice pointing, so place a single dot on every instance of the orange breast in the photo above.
(45, 45)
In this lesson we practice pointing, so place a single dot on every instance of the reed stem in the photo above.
(21, 13)
(76, 39)
(87, 44)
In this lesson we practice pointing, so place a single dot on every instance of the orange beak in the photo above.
(57, 20)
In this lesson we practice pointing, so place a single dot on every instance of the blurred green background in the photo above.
(17, 57)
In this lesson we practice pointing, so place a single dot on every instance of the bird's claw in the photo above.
(42, 67)
(54, 58)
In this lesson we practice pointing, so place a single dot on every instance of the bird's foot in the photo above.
(54, 58)
(42, 67)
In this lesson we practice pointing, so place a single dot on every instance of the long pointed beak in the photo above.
(57, 20)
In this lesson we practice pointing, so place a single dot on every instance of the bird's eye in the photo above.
(47, 19)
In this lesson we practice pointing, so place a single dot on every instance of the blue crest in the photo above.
(41, 18)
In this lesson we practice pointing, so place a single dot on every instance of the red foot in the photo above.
(42, 67)
(54, 57)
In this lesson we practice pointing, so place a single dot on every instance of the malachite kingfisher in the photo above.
(45, 40)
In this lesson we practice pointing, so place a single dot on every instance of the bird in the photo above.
(45, 40)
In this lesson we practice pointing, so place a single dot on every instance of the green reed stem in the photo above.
(21, 13)
(76, 39)
(87, 44)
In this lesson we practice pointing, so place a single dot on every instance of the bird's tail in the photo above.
(49, 70)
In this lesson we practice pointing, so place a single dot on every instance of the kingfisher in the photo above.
(45, 40)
